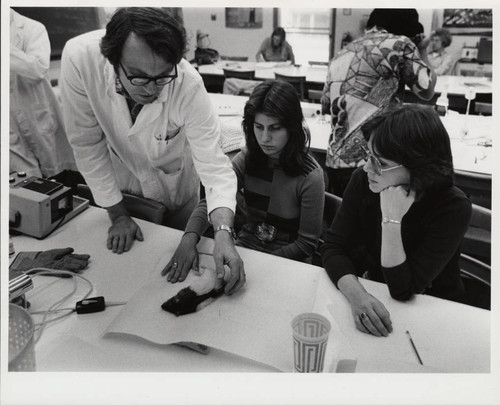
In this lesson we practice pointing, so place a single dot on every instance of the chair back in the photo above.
(332, 205)
(483, 108)
(299, 82)
(317, 63)
(239, 87)
(477, 239)
(476, 277)
(138, 207)
(477, 186)
(314, 96)
(475, 269)
(235, 58)
(239, 74)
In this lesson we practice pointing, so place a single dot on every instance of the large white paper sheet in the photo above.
(254, 323)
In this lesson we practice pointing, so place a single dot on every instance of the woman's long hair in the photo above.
(414, 136)
(280, 32)
(278, 99)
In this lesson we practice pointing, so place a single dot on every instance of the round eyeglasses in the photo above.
(144, 80)
(377, 166)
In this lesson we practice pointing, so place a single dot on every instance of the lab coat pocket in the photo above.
(46, 121)
(167, 152)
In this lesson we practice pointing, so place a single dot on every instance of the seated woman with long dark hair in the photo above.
(280, 185)
(401, 220)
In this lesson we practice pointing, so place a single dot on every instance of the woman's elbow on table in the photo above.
(403, 293)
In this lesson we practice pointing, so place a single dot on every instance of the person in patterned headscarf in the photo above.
(368, 76)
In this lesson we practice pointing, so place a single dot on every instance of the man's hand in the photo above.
(121, 234)
(184, 259)
(123, 229)
(225, 254)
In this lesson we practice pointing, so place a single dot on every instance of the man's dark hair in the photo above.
(159, 28)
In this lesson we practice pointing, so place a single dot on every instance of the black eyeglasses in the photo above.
(143, 80)
(377, 166)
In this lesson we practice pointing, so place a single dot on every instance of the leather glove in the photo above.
(57, 259)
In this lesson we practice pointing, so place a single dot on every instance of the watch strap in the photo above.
(226, 228)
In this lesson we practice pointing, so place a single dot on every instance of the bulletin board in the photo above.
(468, 21)
(63, 23)
(241, 17)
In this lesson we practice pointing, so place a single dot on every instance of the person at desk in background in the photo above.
(140, 120)
(203, 55)
(441, 61)
(401, 220)
(367, 77)
(275, 48)
(38, 143)
(280, 185)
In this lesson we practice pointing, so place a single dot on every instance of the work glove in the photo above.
(57, 259)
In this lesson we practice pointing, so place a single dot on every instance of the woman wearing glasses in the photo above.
(401, 220)
(140, 121)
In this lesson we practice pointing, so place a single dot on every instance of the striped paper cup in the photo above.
(310, 336)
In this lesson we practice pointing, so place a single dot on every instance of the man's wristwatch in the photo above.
(226, 228)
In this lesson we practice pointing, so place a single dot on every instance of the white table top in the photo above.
(468, 153)
(458, 85)
(266, 70)
(450, 337)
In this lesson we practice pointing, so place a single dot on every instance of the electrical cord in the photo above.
(39, 327)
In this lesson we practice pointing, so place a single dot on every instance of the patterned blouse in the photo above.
(363, 80)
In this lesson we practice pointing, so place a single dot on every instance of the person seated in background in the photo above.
(275, 48)
(140, 120)
(280, 185)
(367, 77)
(441, 61)
(401, 220)
(203, 55)
(38, 143)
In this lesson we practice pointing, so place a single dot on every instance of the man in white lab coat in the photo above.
(38, 144)
(140, 120)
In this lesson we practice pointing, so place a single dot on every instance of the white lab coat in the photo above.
(158, 156)
(38, 143)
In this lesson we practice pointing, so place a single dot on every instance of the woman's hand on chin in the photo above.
(395, 201)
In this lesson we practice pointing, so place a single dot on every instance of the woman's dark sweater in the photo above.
(431, 230)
